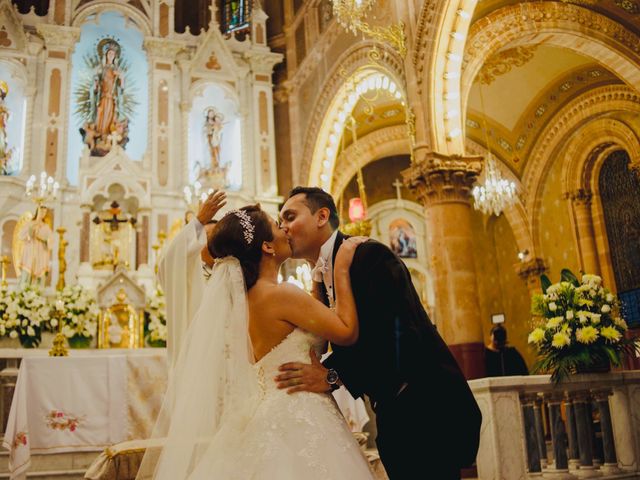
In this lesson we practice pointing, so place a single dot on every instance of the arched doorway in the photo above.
(619, 189)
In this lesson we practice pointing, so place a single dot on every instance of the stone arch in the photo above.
(381, 143)
(559, 24)
(81, 15)
(586, 155)
(567, 124)
(356, 61)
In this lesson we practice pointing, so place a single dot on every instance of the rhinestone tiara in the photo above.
(245, 222)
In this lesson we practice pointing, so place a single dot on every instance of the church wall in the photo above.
(557, 238)
(487, 269)
(500, 290)
(516, 301)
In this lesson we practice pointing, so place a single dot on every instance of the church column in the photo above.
(162, 55)
(34, 95)
(184, 66)
(443, 185)
(263, 138)
(530, 272)
(142, 238)
(581, 202)
(60, 42)
(85, 235)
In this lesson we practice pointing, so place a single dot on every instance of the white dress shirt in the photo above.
(324, 265)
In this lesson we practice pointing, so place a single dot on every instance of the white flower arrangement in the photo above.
(8, 323)
(579, 326)
(27, 313)
(155, 313)
(81, 312)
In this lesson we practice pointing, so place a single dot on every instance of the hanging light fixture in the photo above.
(351, 15)
(43, 190)
(359, 223)
(496, 193)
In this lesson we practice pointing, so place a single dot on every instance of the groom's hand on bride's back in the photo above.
(303, 377)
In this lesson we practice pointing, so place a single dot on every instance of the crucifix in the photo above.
(398, 184)
(114, 222)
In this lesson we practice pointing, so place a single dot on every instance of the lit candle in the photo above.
(60, 305)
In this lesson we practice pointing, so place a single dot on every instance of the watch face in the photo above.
(332, 377)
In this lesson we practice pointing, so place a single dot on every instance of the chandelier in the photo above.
(496, 193)
(195, 195)
(351, 15)
(43, 191)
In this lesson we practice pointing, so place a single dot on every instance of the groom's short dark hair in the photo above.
(316, 198)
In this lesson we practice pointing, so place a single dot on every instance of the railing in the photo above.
(587, 426)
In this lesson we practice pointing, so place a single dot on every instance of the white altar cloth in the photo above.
(84, 402)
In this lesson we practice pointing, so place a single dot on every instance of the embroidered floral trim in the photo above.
(59, 420)
(20, 440)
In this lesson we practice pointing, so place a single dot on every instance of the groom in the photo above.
(427, 419)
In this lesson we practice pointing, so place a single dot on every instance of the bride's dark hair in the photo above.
(228, 238)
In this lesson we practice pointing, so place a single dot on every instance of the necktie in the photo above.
(321, 268)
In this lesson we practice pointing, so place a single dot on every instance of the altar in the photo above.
(84, 402)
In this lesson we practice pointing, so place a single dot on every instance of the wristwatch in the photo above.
(332, 379)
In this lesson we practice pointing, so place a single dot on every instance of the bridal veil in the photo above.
(212, 378)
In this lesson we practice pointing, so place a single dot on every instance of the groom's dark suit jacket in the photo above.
(398, 344)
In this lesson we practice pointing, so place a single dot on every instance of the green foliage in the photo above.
(544, 283)
(578, 327)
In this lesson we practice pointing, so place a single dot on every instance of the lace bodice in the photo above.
(294, 348)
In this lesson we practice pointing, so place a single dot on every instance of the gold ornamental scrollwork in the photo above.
(503, 62)
(351, 15)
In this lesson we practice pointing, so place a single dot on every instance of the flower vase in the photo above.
(599, 366)
(79, 341)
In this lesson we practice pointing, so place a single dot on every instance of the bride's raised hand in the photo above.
(346, 252)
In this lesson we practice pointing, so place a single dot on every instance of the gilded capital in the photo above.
(437, 178)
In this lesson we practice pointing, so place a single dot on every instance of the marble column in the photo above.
(583, 429)
(85, 235)
(443, 185)
(610, 461)
(531, 439)
(142, 240)
(539, 426)
(572, 433)
(558, 437)
(581, 201)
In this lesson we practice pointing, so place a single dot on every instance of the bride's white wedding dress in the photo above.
(223, 416)
(300, 436)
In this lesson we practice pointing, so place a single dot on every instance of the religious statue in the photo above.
(111, 243)
(213, 133)
(104, 105)
(213, 173)
(5, 151)
(33, 242)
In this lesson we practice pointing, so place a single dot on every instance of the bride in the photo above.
(223, 416)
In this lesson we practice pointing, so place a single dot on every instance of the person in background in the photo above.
(502, 360)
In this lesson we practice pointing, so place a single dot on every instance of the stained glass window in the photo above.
(235, 15)
(619, 188)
